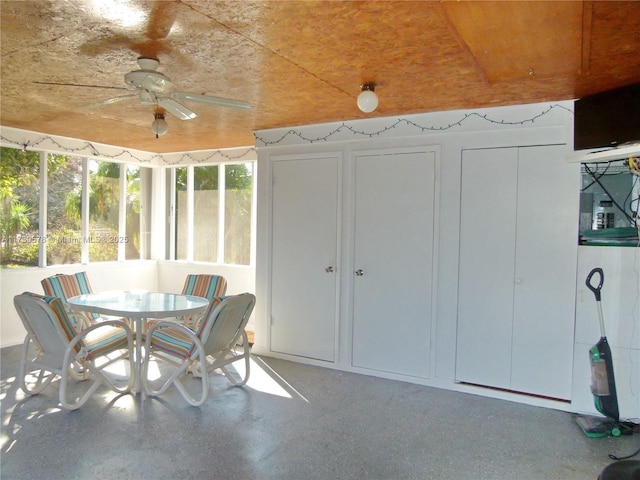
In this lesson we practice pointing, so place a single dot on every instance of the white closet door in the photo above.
(518, 244)
(487, 263)
(304, 256)
(393, 258)
(545, 277)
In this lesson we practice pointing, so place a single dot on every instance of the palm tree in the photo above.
(14, 221)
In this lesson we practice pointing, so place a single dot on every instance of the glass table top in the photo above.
(138, 303)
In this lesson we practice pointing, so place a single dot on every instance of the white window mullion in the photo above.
(172, 214)
(122, 213)
(221, 210)
(254, 205)
(84, 255)
(42, 224)
(190, 212)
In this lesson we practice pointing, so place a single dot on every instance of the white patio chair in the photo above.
(212, 346)
(53, 348)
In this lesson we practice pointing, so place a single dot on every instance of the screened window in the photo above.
(136, 230)
(64, 200)
(238, 213)
(20, 221)
(104, 211)
(206, 215)
(60, 209)
(181, 214)
(213, 213)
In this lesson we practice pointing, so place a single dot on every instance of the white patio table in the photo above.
(139, 306)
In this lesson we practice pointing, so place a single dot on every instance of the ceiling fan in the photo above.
(155, 88)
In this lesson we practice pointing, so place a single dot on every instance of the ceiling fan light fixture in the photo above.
(146, 63)
(146, 97)
(368, 99)
(159, 125)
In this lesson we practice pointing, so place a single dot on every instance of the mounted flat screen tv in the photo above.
(607, 119)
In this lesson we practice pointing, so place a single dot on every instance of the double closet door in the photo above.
(365, 250)
(517, 271)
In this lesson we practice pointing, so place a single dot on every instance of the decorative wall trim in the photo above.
(238, 154)
(420, 124)
(34, 141)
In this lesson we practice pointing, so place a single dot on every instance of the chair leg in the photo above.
(108, 380)
(190, 398)
(183, 367)
(175, 379)
(247, 364)
(43, 376)
(78, 402)
(79, 371)
(94, 374)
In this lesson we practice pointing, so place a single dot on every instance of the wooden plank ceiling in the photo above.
(299, 62)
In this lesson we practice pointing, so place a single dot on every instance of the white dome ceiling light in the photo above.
(159, 125)
(367, 100)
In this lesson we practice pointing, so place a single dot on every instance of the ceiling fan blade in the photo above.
(222, 102)
(111, 100)
(161, 19)
(81, 85)
(177, 109)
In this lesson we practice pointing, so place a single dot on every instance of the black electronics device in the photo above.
(607, 119)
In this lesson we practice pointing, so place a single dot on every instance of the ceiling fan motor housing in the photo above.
(148, 80)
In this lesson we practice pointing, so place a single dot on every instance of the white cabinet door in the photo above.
(304, 256)
(518, 249)
(393, 260)
(545, 275)
(487, 263)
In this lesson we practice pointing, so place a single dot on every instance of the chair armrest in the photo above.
(81, 321)
(168, 325)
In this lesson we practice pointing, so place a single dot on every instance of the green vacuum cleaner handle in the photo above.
(595, 290)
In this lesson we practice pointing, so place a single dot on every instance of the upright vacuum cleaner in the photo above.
(603, 384)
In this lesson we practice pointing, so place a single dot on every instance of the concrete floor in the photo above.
(293, 421)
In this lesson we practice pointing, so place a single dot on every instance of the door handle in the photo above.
(329, 269)
(359, 272)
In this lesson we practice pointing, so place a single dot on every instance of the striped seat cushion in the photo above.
(67, 286)
(96, 343)
(175, 341)
(205, 286)
(105, 339)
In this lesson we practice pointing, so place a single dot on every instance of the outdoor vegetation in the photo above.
(221, 220)
(20, 219)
